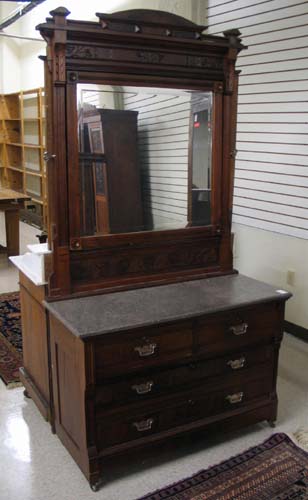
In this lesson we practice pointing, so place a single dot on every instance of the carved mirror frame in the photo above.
(140, 48)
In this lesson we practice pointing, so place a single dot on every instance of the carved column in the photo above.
(59, 280)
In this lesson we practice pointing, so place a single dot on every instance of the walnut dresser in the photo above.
(150, 333)
(137, 367)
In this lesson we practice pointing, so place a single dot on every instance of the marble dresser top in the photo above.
(118, 311)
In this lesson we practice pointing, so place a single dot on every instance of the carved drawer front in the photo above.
(116, 428)
(140, 388)
(141, 349)
(234, 329)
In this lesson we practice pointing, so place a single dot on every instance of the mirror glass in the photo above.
(144, 158)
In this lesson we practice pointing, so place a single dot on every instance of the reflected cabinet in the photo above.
(150, 331)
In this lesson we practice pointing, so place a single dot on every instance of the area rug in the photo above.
(275, 470)
(10, 339)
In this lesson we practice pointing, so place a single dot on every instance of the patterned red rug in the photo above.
(10, 339)
(275, 470)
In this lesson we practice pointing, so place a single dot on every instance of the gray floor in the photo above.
(35, 465)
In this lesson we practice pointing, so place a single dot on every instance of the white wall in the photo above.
(9, 56)
(270, 210)
(267, 256)
(28, 69)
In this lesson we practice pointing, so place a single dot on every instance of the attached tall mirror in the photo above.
(144, 158)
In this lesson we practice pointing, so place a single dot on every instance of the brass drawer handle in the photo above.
(236, 364)
(239, 329)
(235, 398)
(146, 350)
(143, 388)
(144, 425)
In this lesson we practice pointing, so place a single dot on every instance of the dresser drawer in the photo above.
(126, 352)
(195, 405)
(235, 329)
(156, 383)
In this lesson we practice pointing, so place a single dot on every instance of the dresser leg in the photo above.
(96, 485)
(26, 394)
(272, 423)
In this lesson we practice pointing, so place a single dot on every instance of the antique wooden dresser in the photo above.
(151, 333)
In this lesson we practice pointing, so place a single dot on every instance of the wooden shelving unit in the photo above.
(22, 143)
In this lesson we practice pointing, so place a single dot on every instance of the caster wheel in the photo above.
(26, 394)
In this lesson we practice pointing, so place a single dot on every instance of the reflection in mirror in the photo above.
(145, 158)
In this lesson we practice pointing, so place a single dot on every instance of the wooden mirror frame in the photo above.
(140, 48)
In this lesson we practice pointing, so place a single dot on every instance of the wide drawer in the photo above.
(156, 383)
(195, 405)
(235, 329)
(140, 349)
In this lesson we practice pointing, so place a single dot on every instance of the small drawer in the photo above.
(157, 383)
(117, 428)
(235, 329)
(127, 352)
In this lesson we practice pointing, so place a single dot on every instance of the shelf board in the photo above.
(34, 173)
(33, 146)
(22, 118)
(16, 169)
(35, 200)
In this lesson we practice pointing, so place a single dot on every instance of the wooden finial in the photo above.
(234, 36)
(59, 12)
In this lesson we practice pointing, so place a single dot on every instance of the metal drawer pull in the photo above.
(237, 363)
(239, 329)
(144, 425)
(235, 398)
(143, 388)
(146, 350)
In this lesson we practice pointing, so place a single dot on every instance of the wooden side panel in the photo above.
(68, 375)
(35, 343)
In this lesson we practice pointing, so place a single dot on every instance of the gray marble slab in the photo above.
(113, 312)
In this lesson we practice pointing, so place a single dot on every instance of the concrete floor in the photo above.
(35, 465)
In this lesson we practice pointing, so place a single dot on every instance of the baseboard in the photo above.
(296, 330)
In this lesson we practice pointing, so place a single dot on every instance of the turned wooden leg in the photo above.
(12, 231)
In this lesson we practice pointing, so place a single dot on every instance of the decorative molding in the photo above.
(87, 52)
(60, 63)
(149, 57)
(145, 56)
(132, 263)
(204, 62)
